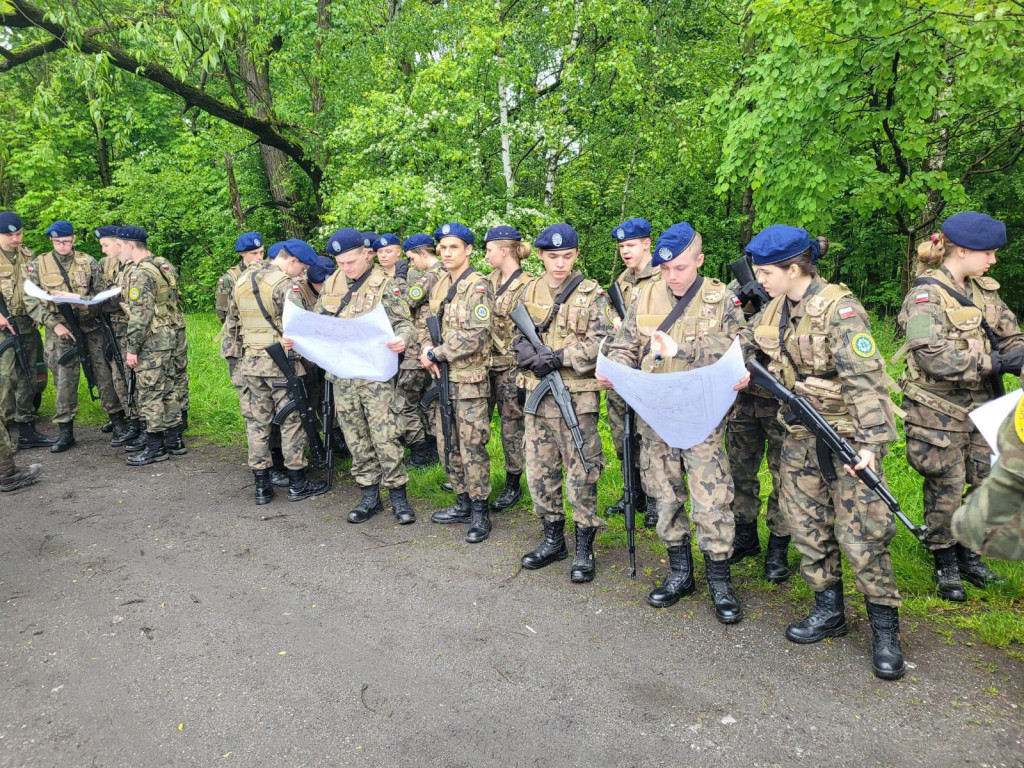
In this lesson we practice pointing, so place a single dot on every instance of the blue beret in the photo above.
(631, 229)
(132, 233)
(10, 222)
(60, 229)
(454, 229)
(672, 242)
(107, 230)
(249, 241)
(273, 250)
(301, 250)
(417, 241)
(384, 241)
(780, 242)
(502, 233)
(344, 240)
(368, 237)
(320, 271)
(975, 231)
(557, 237)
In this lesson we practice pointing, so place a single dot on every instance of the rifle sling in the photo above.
(261, 305)
(993, 339)
(559, 301)
(504, 286)
(681, 304)
(451, 291)
(347, 299)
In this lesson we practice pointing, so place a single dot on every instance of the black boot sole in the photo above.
(736, 619)
(839, 631)
(451, 520)
(777, 578)
(361, 517)
(582, 578)
(979, 581)
(675, 598)
(499, 506)
(261, 500)
(153, 460)
(403, 520)
(546, 562)
(890, 675)
(478, 539)
(36, 444)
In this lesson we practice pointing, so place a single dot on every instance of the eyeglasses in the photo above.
(63, 241)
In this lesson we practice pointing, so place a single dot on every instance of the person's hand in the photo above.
(131, 360)
(867, 460)
(1008, 362)
(524, 352)
(604, 381)
(429, 364)
(64, 295)
(6, 325)
(742, 383)
(663, 345)
(63, 333)
(287, 343)
(396, 345)
(616, 323)
(546, 361)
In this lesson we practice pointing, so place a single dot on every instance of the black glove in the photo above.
(402, 269)
(546, 361)
(1008, 362)
(752, 293)
(524, 352)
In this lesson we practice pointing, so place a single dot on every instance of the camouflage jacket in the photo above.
(84, 278)
(506, 298)
(150, 309)
(13, 273)
(419, 286)
(115, 273)
(225, 287)
(246, 322)
(631, 280)
(465, 331)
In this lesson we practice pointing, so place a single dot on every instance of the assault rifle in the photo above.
(14, 340)
(112, 349)
(752, 290)
(629, 477)
(829, 441)
(81, 348)
(441, 392)
(299, 402)
(327, 414)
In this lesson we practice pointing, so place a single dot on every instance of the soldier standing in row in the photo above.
(250, 249)
(388, 250)
(11, 477)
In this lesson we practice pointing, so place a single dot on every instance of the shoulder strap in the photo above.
(260, 304)
(559, 301)
(964, 302)
(680, 306)
(504, 286)
(451, 291)
(347, 298)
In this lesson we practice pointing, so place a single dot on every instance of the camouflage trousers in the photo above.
(260, 400)
(616, 418)
(6, 445)
(665, 471)
(368, 415)
(156, 400)
(549, 447)
(409, 388)
(505, 394)
(752, 426)
(470, 461)
(824, 518)
(948, 461)
(19, 398)
(180, 368)
(66, 376)
(120, 388)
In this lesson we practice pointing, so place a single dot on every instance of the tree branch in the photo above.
(13, 59)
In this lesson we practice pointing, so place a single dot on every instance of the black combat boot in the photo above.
(30, 437)
(826, 619)
(746, 544)
(447, 486)
(139, 442)
(551, 549)
(174, 442)
(459, 512)
(776, 559)
(278, 473)
(618, 508)
(184, 419)
(341, 451)
(679, 582)
(368, 506)
(12, 478)
(400, 506)
(107, 428)
(66, 438)
(121, 426)
(584, 568)
(155, 451)
(886, 650)
(301, 487)
(131, 435)
(264, 490)
(420, 456)
(511, 493)
(723, 598)
(479, 522)
(947, 576)
(971, 568)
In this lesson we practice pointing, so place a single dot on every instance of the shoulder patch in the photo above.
(30, 268)
(482, 312)
(165, 267)
(296, 289)
(847, 312)
(863, 345)
(481, 288)
(133, 292)
(221, 281)
(922, 297)
(134, 278)
(416, 292)
(1018, 420)
(397, 291)
(600, 291)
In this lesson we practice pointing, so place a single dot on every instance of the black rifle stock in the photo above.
(113, 349)
(441, 392)
(745, 277)
(618, 302)
(327, 411)
(14, 340)
(299, 402)
(552, 383)
(131, 394)
(81, 348)
(817, 426)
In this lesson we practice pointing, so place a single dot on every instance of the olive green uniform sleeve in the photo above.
(142, 307)
(581, 355)
(624, 346)
(934, 354)
(398, 312)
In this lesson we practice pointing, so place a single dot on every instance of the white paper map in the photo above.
(350, 348)
(36, 292)
(685, 407)
(990, 416)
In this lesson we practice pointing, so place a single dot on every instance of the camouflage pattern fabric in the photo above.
(6, 446)
(368, 415)
(470, 461)
(411, 385)
(505, 394)
(19, 400)
(752, 430)
(67, 376)
(226, 287)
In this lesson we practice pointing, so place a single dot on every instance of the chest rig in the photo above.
(697, 331)
(257, 332)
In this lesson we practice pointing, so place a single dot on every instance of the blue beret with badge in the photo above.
(10, 222)
(301, 250)
(384, 241)
(368, 237)
(632, 229)
(672, 242)
(454, 229)
(60, 229)
(320, 271)
(780, 242)
(249, 241)
(502, 232)
(107, 230)
(344, 240)
(557, 237)
(418, 241)
(132, 233)
(975, 231)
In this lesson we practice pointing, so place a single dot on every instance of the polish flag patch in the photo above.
(921, 297)
(481, 289)
(846, 312)
(736, 302)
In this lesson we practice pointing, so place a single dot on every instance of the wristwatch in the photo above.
(430, 355)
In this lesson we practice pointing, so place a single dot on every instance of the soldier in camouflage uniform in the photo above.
(505, 252)
(254, 315)
(14, 261)
(572, 316)
(692, 321)
(367, 410)
(250, 249)
(462, 299)
(953, 365)
(388, 250)
(11, 477)
(65, 271)
(817, 338)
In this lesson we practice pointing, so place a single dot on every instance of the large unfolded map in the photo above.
(350, 348)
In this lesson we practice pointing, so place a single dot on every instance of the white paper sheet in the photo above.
(990, 416)
(36, 292)
(350, 348)
(685, 407)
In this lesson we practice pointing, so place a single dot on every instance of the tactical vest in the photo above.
(631, 288)
(163, 304)
(113, 272)
(257, 333)
(12, 280)
(471, 369)
(694, 331)
(502, 328)
(79, 273)
(226, 286)
(366, 298)
(569, 327)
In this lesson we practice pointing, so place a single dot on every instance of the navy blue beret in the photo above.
(344, 240)
(273, 250)
(454, 229)
(417, 241)
(132, 233)
(557, 237)
(301, 250)
(384, 241)
(249, 241)
(60, 229)
(502, 233)
(975, 231)
(780, 242)
(10, 222)
(672, 242)
(107, 230)
(368, 237)
(320, 271)
(631, 229)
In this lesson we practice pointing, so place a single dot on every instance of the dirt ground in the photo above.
(150, 617)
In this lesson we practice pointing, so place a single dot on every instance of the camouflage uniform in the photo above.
(829, 357)
(704, 331)
(992, 520)
(413, 380)
(179, 366)
(85, 279)
(368, 410)
(466, 334)
(753, 423)
(948, 374)
(13, 272)
(582, 322)
(502, 371)
(115, 272)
